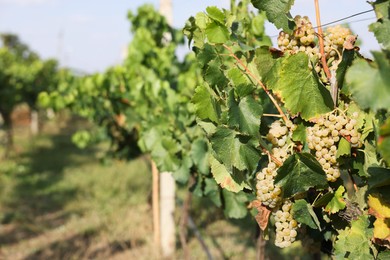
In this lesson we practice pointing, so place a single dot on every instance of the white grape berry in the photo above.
(324, 136)
(286, 226)
(279, 135)
(301, 40)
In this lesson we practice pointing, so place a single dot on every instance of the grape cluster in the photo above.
(324, 136)
(286, 226)
(279, 135)
(334, 39)
(302, 39)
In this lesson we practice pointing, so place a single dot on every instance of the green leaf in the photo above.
(265, 60)
(382, 32)
(164, 154)
(200, 155)
(214, 75)
(183, 173)
(277, 12)
(344, 148)
(324, 200)
(234, 204)
(245, 115)
(379, 177)
(208, 127)
(216, 14)
(299, 173)
(346, 62)
(240, 81)
(299, 134)
(301, 90)
(337, 202)
(206, 106)
(217, 33)
(225, 179)
(303, 213)
(211, 190)
(201, 20)
(384, 141)
(370, 82)
(381, 28)
(370, 156)
(384, 255)
(354, 242)
(235, 150)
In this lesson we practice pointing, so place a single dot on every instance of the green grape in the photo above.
(286, 226)
(322, 138)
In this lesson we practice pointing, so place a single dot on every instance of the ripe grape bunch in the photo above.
(324, 136)
(303, 39)
(286, 226)
(279, 135)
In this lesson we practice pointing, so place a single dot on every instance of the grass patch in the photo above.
(60, 202)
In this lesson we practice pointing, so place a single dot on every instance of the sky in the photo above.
(91, 35)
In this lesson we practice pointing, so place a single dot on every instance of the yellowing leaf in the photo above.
(378, 207)
(381, 228)
(337, 203)
(223, 177)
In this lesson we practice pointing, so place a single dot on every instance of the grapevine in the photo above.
(317, 165)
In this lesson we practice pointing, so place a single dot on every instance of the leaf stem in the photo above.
(321, 40)
(353, 181)
(272, 115)
(258, 81)
(276, 161)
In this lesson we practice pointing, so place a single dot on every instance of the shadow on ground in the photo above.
(36, 202)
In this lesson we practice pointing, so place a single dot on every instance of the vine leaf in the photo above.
(216, 14)
(344, 148)
(382, 229)
(300, 89)
(369, 83)
(384, 255)
(234, 204)
(200, 155)
(206, 106)
(245, 115)
(235, 150)
(303, 213)
(277, 12)
(263, 213)
(299, 173)
(182, 174)
(214, 74)
(337, 202)
(164, 154)
(225, 179)
(384, 140)
(379, 177)
(217, 33)
(242, 84)
(378, 207)
(381, 28)
(299, 134)
(211, 190)
(354, 242)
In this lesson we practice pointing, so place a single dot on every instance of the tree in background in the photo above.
(23, 75)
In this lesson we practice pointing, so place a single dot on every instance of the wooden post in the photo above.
(155, 205)
(34, 122)
(167, 210)
(167, 182)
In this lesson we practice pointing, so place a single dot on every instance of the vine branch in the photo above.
(321, 40)
(258, 81)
